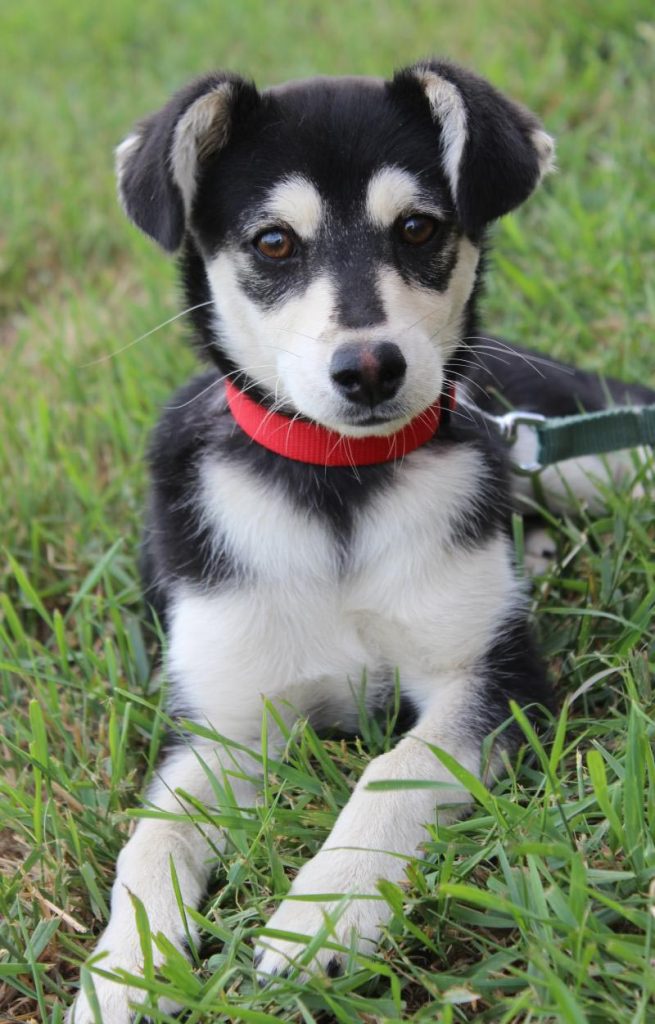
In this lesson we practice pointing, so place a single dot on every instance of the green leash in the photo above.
(570, 437)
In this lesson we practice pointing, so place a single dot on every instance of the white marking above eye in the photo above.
(392, 192)
(296, 202)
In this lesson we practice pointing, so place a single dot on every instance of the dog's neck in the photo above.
(304, 441)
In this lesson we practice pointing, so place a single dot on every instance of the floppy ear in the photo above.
(494, 152)
(158, 164)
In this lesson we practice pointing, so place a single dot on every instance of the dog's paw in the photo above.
(340, 927)
(321, 933)
(117, 1001)
(540, 551)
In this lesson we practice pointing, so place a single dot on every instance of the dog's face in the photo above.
(339, 223)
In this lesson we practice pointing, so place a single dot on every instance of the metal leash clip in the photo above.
(508, 425)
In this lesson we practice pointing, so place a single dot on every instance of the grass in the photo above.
(539, 906)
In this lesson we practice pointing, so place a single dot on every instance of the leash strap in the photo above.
(570, 437)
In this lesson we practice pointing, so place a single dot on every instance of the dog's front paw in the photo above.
(321, 936)
(321, 933)
(117, 1001)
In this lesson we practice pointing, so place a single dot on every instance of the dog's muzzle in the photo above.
(368, 374)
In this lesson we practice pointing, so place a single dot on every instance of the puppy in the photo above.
(319, 507)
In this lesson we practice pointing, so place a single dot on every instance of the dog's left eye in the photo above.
(275, 244)
(416, 229)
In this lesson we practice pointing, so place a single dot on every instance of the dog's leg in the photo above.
(540, 550)
(144, 871)
(373, 838)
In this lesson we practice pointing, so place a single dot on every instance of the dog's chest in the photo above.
(404, 596)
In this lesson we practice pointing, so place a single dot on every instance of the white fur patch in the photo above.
(123, 153)
(392, 192)
(296, 202)
(272, 345)
(545, 147)
(295, 628)
(448, 109)
(202, 129)
(540, 551)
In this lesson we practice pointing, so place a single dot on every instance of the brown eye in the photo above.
(275, 244)
(417, 229)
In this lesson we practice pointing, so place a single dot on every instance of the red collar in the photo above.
(304, 441)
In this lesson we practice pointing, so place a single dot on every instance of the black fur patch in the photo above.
(333, 969)
(490, 510)
(512, 670)
(177, 543)
(505, 376)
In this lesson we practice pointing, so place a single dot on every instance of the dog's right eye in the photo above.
(275, 244)
(416, 229)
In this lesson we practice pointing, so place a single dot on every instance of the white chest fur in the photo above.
(301, 627)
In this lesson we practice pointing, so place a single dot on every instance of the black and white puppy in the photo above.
(331, 233)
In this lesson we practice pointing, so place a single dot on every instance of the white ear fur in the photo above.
(122, 155)
(448, 109)
(202, 129)
(545, 147)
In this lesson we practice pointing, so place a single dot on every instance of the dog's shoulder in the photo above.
(177, 541)
(190, 422)
(485, 505)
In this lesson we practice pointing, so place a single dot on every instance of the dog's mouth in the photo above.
(371, 416)
(374, 420)
(377, 420)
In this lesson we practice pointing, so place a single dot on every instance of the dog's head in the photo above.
(337, 226)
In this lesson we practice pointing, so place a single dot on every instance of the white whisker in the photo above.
(531, 360)
(219, 380)
(142, 337)
(467, 380)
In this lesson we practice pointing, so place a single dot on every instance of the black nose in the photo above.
(368, 374)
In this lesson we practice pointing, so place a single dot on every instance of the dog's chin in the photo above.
(354, 420)
(369, 422)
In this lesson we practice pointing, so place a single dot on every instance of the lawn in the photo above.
(539, 906)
